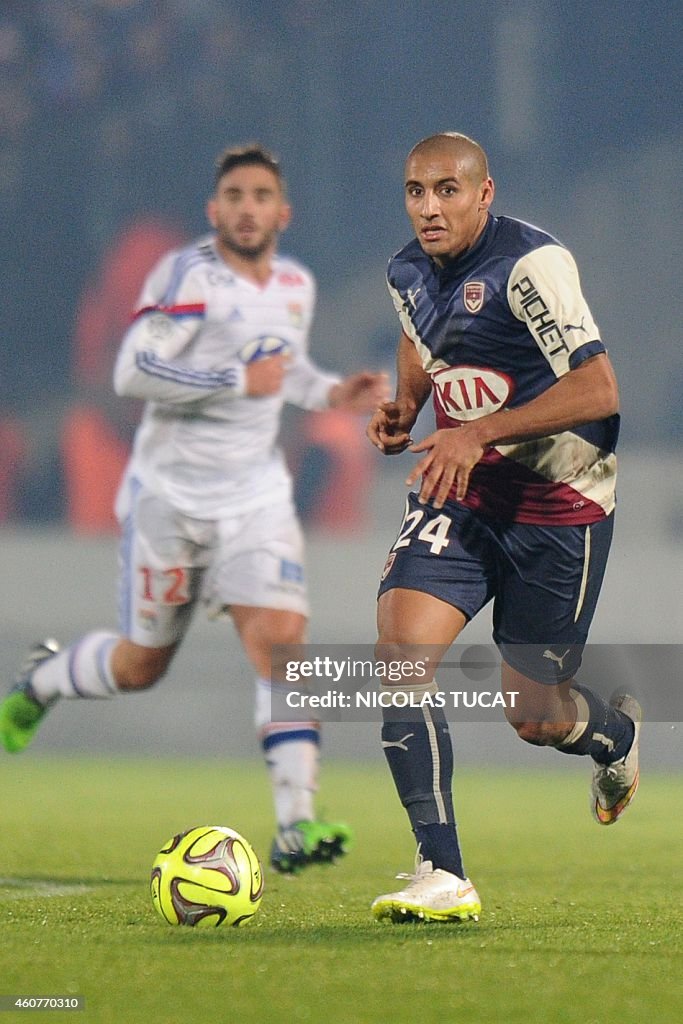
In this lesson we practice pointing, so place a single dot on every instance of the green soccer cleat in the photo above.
(20, 712)
(309, 842)
(614, 785)
(432, 894)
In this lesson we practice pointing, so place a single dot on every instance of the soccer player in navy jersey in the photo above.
(515, 500)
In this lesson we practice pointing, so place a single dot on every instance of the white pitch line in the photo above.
(23, 888)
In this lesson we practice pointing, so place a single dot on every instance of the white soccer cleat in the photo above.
(432, 894)
(614, 785)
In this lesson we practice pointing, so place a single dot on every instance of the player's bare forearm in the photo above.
(413, 383)
(588, 393)
(583, 395)
(389, 429)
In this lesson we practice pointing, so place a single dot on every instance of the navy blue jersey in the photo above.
(494, 329)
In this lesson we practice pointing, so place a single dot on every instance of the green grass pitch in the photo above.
(581, 924)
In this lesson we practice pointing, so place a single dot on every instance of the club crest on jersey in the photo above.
(474, 296)
(159, 326)
(259, 348)
(468, 392)
(388, 565)
(296, 313)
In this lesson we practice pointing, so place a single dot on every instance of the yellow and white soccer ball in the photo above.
(206, 877)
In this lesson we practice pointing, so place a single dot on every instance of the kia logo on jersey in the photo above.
(467, 392)
(474, 296)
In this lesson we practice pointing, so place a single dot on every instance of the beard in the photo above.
(252, 251)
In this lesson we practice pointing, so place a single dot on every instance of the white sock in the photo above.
(293, 767)
(292, 754)
(82, 670)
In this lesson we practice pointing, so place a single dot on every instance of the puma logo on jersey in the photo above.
(558, 658)
(412, 296)
(576, 327)
(401, 744)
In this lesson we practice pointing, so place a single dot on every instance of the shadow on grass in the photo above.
(332, 936)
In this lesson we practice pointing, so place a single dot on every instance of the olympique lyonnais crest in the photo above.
(296, 313)
(474, 296)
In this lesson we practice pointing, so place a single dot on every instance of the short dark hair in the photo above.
(464, 143)
(251, 155)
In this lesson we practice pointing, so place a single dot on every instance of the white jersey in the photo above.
(202, 444)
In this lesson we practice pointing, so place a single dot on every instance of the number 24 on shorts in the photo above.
(434, 532)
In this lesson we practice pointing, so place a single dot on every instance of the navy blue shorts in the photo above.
(544, 580)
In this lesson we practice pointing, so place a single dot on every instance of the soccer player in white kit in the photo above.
(217, 345)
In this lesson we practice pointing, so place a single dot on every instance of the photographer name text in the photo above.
(401, 699)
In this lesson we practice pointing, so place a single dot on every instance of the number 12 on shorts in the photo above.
(434, 532)
(167, 586)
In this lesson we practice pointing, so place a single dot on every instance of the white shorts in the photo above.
(169, 562)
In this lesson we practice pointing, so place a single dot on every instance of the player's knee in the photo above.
(281, 632)
(287, 633)
(387, 651)
(265, 638)
(406, 653)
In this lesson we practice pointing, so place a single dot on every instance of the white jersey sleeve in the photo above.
(153, 362)
(306, 385)
(544, 292)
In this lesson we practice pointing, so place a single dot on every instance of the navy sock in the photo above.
(420, 756)
(608, 734)
(439, 844)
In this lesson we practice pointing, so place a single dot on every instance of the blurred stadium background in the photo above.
(111, 114)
